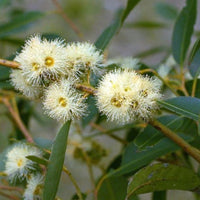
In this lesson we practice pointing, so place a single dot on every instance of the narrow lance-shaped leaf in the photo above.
(111, 30)
(159, 195)
(134, 158)
(150, 136)
(194, 66)
(187, 106)
(166, 11)
(183, 31)
(19, 23)
(113, 188)
(146, 25)
(160, 177)
(56, 161)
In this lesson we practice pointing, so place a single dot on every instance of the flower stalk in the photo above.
(178, 140)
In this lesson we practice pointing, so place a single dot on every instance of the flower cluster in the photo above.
(51, 70)
(124, 96)
(19, 168)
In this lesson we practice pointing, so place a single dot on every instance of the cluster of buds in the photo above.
(50, 70)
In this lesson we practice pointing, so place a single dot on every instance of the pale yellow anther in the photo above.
(117, 102)
(35, 66)
(62, 101)
(19, 162)
(49, 61)
(134, 104)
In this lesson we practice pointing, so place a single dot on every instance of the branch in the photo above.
(104, 131)
(74, 182)
(66, 18)
(8, 63)
(18, 120)
(156, 74)
(4, 187)
(9, 196)
(178, 140)
(86, 88)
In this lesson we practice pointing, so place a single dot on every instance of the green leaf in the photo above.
(93, 111)
(75, 196)
(183, 31)
(56, 161)
(4, 3)
(118, 21)
(151, 51)
(166, 11)
(186, 106)
(38, 160)
(135, 158)
(43, 142)
(159, 195)
(5, 73)
(113, 189)
(188, 86)
(195, 48)
(150, 136)
(6, 85)
(146, 25)
(160, 177)
(19, 23)
(12, 41)
(194, 67)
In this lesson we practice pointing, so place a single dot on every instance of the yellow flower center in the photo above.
(35, 66)
(19, 162)
(49, 61)
(134, 104)
(117, 102)
(62, 101)
(144, 93)
(126, 89)
(37, 190)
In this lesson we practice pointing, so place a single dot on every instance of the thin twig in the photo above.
(178, 140)
(66, 18)
(194, 85)
(11, 64)
(74, 182)
(9, 196)
(18, 120)
(89, 167)
(4, 187)
(99, 185)
(86, 88)
(104, 131)
(163, 80)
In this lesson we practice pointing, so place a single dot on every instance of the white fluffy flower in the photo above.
(63, 102)
(20, 83)
(125, 62)
(124, 96)
(33, 188)
(17, 166)
(41, 60)
(82, 56)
